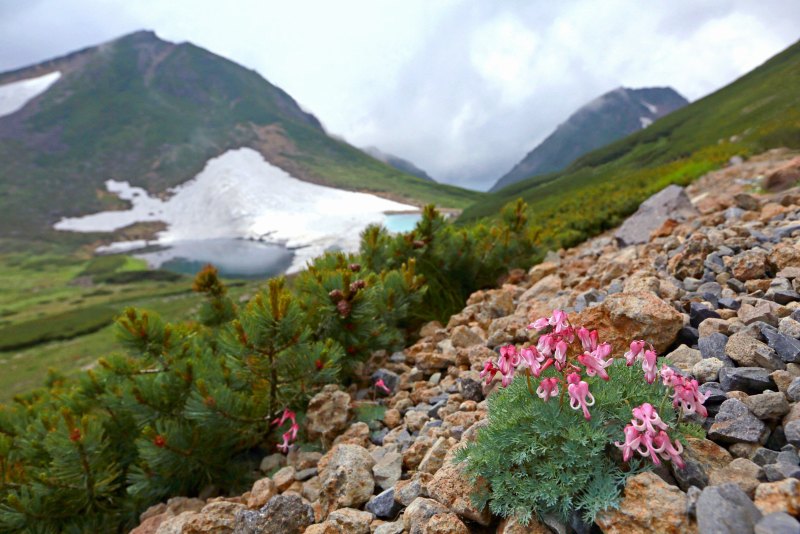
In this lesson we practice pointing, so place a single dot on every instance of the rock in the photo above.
(434, 458)
(545, 288)
(747, 379)
(627, 316)
(726, 509)
(793, 391)
(390, 528)
(746, 202)
(283, 513)
(749, 265)
(762, 312)
(328, 413)
(683, 358)
(649, 505)
(283, 478)
(749, 352)
(176, 524)
(408, 490)
(451, 487)
(272, 463)
(777, 523)
(735, 422)
(792, 431)
(784, 256)
(690, 262)
(351, 521)
(326, 527)
(699, 312)
(388, 469)
(713, 346)
(512, 526)
(448, 523)
(670, 203)
(217, 517)
(707, 370)
(789, 327)
(768, 405)
(787, 348)
(780, 471)
(419, 512)
(263, 490)
(346, 477)
(464, 337)
(764, 456)
(470, 389)
(390, 380)
(701, 457)
(782, 496)
(784, 177)
(384, 505)
(742, 472)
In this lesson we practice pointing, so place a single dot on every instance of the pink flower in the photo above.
(547, 388)
(664, 447)
(546, 345)
(649, 420)
(561, 353)
(559, 321)
(578, 393)
(632, 441)
(539, 324)
(636, 349)
(507, 363)
(533, 359)
(668, 376)
(687, 395)
(489, 370)
(649, 366)
(291, 434)
(381, 385)
(588, 339)
(286, 415)
(594, 363)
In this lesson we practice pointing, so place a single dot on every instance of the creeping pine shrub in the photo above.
(545, 452)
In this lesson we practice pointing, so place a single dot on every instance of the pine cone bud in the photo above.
(358, 284)
(344, 308)
(159, 441)
(418, 244)
(75, 435)
(336, 295)
(355, 267)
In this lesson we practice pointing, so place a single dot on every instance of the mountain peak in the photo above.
(609, 117)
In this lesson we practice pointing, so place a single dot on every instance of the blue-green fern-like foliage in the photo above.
(543, 458)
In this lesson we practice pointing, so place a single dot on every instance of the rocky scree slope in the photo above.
(715, 289)
(604, 120)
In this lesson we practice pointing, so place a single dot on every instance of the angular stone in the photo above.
(777, 523)
(390, 528)
(390, 380)
(707, 370)
(419, 512)
(792, 432)
(713, 346)
(346, 477)
(684, 358)
(451, 487)
(283, 513)
(408, 490)
(351, 521)
(649, 505)
(793, 391)
(726, 509)
(747, 351)
(669, 203)
(749, 265)
(464, 337)
(628, 316)
(787, 348)
(782, 496)
(701, 457)
(747, 379)
(768, 405)
(742, 472)
(384, 505)
(735, 422)
(699, 313)
(263, 490)
(328, 413)
(388, 469)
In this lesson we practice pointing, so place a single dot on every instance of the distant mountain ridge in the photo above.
(605, 119)
(151, 112)
(397, 162)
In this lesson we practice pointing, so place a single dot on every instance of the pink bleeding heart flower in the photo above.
(287, 415)
(588, 339)
(579, 396)
(561, 353)
(632, 441)
(649, 366)
(664, 446)
(380, 384)
(687, 395)
(547, 389)
(539, 324)
(489, 370)
(532, 359)
(637, 347)
(546, 345)
(594, 363)
(648, 419)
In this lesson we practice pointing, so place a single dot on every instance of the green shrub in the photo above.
(66, 325)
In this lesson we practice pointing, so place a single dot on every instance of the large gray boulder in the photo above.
(671, 202)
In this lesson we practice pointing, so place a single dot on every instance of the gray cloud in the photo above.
(461, 88)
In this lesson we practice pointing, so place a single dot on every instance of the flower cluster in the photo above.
(291, 434)
(553, 349)
(686, 392)
(575, 351)
(646, 434)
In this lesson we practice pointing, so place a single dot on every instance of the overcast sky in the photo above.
(462, 88)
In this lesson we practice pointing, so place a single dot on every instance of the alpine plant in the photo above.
(576, 353)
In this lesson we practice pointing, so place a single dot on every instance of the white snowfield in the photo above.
(240, 195)
(646, 121)
(14, 95)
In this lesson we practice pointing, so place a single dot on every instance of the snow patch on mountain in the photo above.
(646, 121)
(240, 195)
(14, 95)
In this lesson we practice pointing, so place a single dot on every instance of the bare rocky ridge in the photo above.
(717, 294)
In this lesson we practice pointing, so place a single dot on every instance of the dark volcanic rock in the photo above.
(747, 379)
(670, 203)
(726, 509)
(735, 423)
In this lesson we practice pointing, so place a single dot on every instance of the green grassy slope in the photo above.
(152, 113)
(760, 110)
